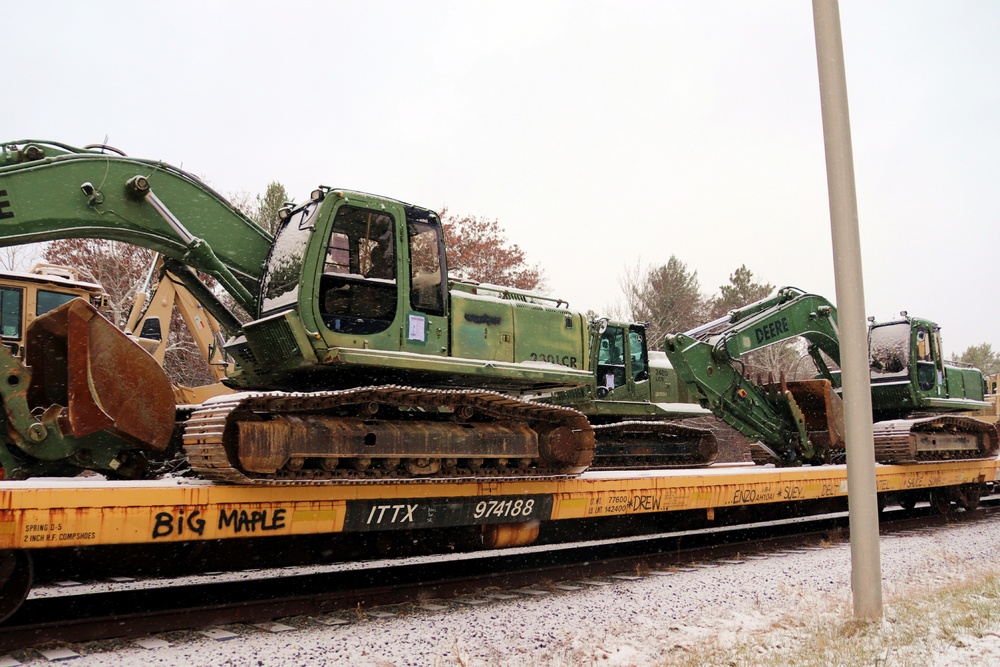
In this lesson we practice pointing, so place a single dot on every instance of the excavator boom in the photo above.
(52, 191)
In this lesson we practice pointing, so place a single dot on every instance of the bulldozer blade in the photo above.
(823, 410)
(80, 360)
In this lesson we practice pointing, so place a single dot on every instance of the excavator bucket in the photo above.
(822, 409)
(80, 360)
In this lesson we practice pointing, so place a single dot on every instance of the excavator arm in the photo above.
(780, 415)
(53, 191)
(86, 396)
(803, 421)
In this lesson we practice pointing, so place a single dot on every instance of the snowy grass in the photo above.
(954, 624)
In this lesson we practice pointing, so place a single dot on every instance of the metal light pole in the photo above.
(866, 569)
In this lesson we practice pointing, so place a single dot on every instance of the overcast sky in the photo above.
(599, 134)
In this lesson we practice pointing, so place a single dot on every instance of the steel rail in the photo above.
(136, 613)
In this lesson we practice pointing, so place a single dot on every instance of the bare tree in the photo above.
(17, 257)
(120, 268)
(117, 266)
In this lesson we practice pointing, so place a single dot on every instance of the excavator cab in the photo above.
(358, 286)
(361, 271)
(355, 292)
(622, 362)
(909, 372)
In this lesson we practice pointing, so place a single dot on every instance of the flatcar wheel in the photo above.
(908, 499)
(16, 574)
(941, 499)
(969, 495)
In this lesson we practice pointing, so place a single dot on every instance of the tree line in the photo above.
(667, 296)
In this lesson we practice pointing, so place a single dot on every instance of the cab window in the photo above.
(611, 358)
(427, 288)
(889, 350)
(46, 300)
(10, 312)
(637, 351)
(926, 370)
(358, 285)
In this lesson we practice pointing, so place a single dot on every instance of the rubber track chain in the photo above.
(892, 442)
(205, 429)
(604, 432)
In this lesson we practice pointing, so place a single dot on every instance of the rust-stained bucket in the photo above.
(80, 360)
(823, 410)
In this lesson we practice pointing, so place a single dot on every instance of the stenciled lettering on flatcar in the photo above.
(505, 508)
(623, 503)
(410, 513)
(391, 514)
(52, 532)
(5, 212)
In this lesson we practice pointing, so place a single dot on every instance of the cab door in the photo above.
(359, 287)
(638, 364)
(622, 364)
(424, 290)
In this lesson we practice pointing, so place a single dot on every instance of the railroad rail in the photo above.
(45, 515)
(272, 595)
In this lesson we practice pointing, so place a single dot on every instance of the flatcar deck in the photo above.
(50, 513)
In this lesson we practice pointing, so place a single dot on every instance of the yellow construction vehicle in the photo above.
(26, 295)
(149, 324)
(992, 413)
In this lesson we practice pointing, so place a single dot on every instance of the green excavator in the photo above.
(359, 360)
(917, 397)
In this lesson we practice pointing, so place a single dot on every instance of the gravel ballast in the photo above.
(619, 622)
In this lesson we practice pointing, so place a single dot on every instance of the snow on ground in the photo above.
(623, 622)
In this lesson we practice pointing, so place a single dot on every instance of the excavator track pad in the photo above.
(935, 438)
(385, 432)
(639, 445)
